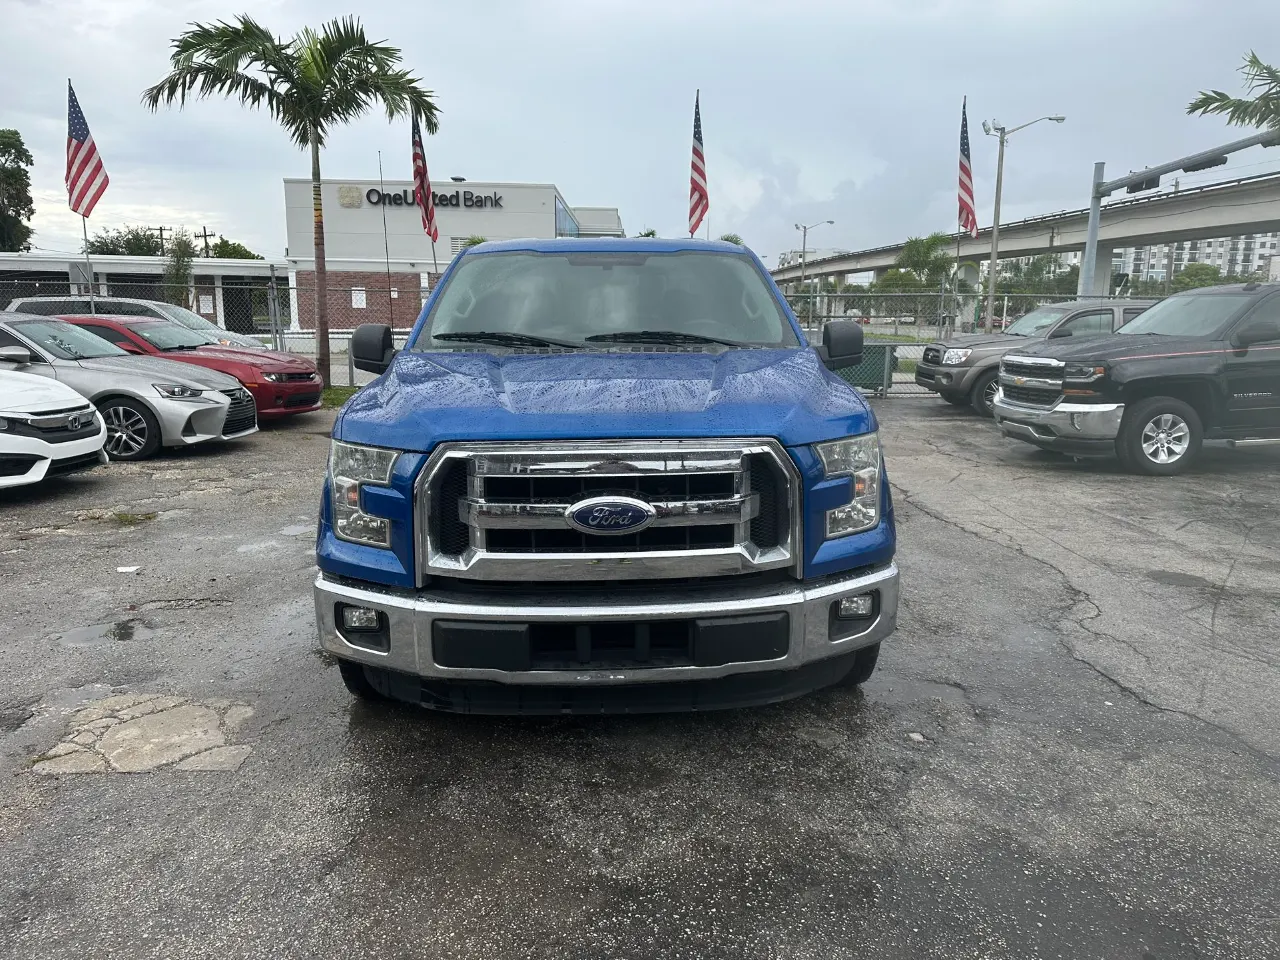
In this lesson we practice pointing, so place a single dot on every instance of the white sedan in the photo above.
(46, 428)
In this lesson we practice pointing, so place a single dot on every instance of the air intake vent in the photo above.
(769, 526)
(448, 532)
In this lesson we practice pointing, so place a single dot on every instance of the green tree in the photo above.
(732, 238)
(310, 83)
(1262, 109)
(226, 249)
(473, 241)
(16, 208)
(647, 232)
(176, 283)
(927, 259)
(129, 241)
(1197, 275)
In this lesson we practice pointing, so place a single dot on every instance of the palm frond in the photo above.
(1262, 110)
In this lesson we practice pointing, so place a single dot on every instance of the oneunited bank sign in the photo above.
(354, 197)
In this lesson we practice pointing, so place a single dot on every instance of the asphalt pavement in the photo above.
(1069, 750)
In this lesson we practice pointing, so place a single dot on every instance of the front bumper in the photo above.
(276, 400)
(1083, 429)
(953, 379)
(410, 615)
(51, 458)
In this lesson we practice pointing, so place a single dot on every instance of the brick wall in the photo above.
(348, 290)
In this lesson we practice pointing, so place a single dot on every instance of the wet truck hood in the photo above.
(155, 368)
(1118, 347)
(429, 398)
(980, 341)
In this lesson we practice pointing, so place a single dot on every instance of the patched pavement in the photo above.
(1070, 749)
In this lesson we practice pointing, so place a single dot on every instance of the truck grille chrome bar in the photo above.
(501, 511)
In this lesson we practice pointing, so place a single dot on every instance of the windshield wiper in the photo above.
(661, 336)
(504, 339)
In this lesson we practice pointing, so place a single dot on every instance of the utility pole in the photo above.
(161, 230)
(205, 235)
(804, 247)
(1149, 179)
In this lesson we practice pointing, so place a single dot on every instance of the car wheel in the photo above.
(133, 433)
(955, 401)
(983, 396)
(1161, 437)
(356, 680)
(864, 664)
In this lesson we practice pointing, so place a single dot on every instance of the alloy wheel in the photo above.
(1165, 438)
(989, 393)
(126, 431)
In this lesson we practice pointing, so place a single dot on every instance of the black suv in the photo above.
(1199, 365)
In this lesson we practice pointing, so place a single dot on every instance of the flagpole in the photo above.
(84, 226)
(386, 246)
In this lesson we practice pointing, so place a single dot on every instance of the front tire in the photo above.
(357, 682)
(1160, 437)
(864, 664)
(983, 396)
(133, 433)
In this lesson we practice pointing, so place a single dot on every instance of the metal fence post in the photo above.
(351, 365)
(888, 369)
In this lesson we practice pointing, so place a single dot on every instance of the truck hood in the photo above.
(429, 398)
(30, 393)
(155, 368)
(1118, 347)
(978, 341)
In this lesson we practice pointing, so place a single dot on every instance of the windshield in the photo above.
(696, 299)
(1188, 315)
(1037, 322)
(170, 336)
(187, 318)
(66, 341)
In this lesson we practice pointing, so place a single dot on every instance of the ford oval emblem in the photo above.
(610, 516)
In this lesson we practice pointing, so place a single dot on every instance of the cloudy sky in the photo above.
(812, 110)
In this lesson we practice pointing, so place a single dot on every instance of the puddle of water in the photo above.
(119, 631)
(1174, 579)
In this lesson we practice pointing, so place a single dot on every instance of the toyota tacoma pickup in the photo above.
(1201, 365)
(964, 370)
(605, 476)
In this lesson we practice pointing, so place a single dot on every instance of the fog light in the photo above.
(856, 608)
(1075, 422)
(360, 618)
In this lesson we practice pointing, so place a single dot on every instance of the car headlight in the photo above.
(859, 459)
(177, 391)
(352, 467)
(1081, 373)
(4, 424)
(273, 377)
(956, 356)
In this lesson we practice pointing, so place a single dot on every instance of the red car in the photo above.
(281, 383)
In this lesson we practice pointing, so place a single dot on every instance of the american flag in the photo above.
(86, 176)
(422, 185)
(968, 218)
(699, 201)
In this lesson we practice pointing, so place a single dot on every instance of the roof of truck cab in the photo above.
(605, 245)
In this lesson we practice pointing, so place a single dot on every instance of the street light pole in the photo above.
(994, 128)
(804, 246)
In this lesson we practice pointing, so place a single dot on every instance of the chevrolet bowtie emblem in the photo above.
(1019, 381)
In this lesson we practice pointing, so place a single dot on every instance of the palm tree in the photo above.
(1262, 110)
(647, 232)
(926, 257)
(310, 83)
(472, 241)
(732, 238)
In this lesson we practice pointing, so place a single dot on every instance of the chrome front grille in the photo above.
(933, 355)
(1033, 381)
(500, 511)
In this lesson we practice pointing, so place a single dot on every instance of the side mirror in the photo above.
(841, 344)
(18, 355)
(1256, 331)
(1059, 333)
(372, 348)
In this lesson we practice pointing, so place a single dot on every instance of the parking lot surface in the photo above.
(1070, 748)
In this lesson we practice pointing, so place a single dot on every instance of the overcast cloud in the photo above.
(811, 109)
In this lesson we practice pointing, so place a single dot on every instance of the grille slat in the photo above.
(242, 414)
(932, 355)
(1031, 395)
(302, 400)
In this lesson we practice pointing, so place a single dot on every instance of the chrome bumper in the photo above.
(410, 617)
(1063, 421)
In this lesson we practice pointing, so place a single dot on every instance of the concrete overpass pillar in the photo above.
(1101, 275)
(969, 273)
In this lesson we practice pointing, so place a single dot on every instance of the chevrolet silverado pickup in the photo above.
(605, 475)
(1201, 365)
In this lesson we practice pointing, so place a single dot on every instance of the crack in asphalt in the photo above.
(1080, 596)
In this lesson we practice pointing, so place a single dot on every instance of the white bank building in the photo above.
(369, 225)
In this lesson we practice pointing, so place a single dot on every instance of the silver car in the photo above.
(146, 402)
(132, 307)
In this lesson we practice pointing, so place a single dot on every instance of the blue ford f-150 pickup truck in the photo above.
(605, 476)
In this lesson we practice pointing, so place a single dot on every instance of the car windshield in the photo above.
(188, 318)
(65, 340)
(170, 336)
(1037, 322)
(697, 300)
(1188, 315)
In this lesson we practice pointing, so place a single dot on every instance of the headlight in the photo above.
(350, 468)
(273, 377)
(1079, 372)
(956, 356)
(858, 458)
(4, 424)
(177, 391)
